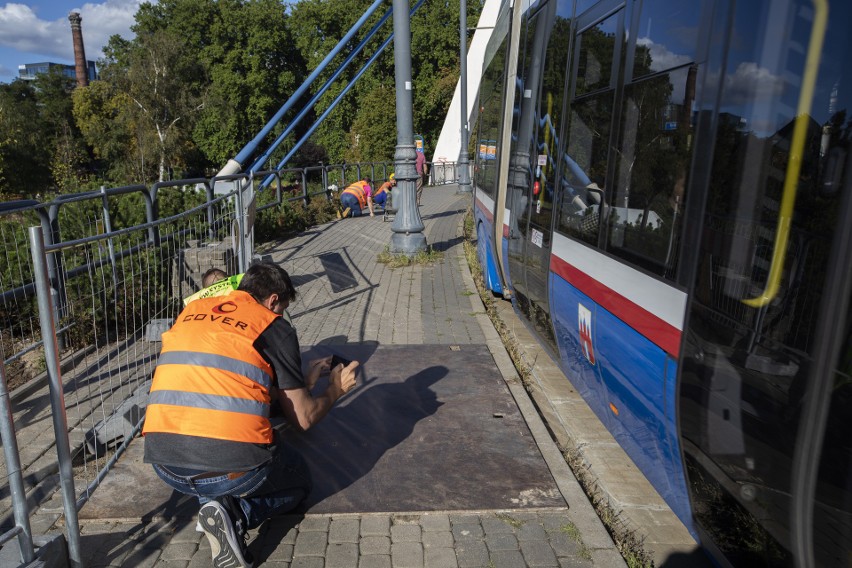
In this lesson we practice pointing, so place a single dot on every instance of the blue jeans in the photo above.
(350, 201)
(274, 488)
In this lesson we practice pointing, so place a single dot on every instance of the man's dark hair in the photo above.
(263, 279)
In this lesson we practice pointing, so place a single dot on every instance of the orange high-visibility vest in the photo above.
(358, 189)
(384, 188)
(210, 381)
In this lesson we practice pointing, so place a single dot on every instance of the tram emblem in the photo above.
(585, 324)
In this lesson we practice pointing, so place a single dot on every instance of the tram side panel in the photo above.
(613, 347)
(484, 219)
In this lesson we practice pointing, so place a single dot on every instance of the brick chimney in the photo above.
(81, 69)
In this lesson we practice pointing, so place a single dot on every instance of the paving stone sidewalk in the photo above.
(347, 297)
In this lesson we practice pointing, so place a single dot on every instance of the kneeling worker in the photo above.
(357, 196)
(207, 429)
(382, 195)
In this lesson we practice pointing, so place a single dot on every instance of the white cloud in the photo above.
(751, 83)
(661, 57)
(22, 30)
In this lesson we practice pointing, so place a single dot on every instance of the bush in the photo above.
(293, 217)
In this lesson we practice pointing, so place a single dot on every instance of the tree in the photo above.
(250, 62)
(69, 157)
(166, 86)
(25, 158)
(372, 137)
(107, 120)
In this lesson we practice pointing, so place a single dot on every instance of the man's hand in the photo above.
(302, 409)
(315, 369)
(342, 379)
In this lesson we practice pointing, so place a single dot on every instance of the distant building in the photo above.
(29, 71)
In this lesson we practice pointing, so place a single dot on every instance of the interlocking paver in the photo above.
(375, 526)
(407, 554)
(375, 545)
(405, 533)
(440, 558)
(538, 553)
(310, 543)
(344, 530)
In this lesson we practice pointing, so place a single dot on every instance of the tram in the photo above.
(662, 189)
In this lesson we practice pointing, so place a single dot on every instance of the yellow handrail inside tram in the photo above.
(794, 163)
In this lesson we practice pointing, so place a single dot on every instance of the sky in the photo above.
(39, 30)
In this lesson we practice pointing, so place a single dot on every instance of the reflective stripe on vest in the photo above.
(210, 381)
(212, 401)
(217, 362)
(357, 189)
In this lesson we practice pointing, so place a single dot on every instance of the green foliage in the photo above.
(249, 60)
(372, 137)
(25, 157)
(292, 217)
(427, 257)
(174, 200)
(200, 79)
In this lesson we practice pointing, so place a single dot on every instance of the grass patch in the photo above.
(628, 544)
(510, 520)
(426, 257)
(490, 307)
(573, 533)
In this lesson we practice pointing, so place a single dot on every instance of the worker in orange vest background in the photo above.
(356, 197)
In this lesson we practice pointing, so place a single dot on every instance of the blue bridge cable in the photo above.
(250, 148)
(310, 104)
(335, 102)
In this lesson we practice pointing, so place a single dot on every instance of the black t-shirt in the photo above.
(279, 346)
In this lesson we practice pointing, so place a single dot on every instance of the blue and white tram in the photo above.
(663, 190)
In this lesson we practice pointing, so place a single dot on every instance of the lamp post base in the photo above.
(407, 243)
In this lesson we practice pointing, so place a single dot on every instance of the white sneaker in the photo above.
(227, 547)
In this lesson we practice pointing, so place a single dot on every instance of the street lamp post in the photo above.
(408, 237)
(464, 168)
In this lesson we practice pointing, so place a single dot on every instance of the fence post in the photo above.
(57, 395)
(209, 190)
(305, 187)
(54, 268)
(239, 213)
(151, 216)
(13, 471)
(110, 245)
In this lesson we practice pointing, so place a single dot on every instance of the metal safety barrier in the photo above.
(88, 282)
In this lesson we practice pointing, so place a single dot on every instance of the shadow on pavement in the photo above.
(428, 428)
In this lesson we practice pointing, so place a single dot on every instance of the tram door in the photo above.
(766, 372)
(542, 58)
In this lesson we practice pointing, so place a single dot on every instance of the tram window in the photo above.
(666, 36)
(596, 52)
(584, 166)
(491, 103)
(651, 165)
(754, 338)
